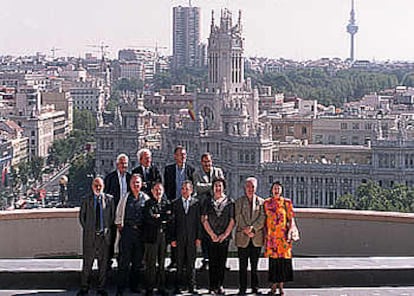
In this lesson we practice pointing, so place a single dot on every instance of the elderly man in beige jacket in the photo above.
(250, 220)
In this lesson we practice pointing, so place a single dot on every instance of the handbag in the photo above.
(293, 231)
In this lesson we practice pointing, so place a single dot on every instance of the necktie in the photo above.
(186, 206)
(146, 173)
(123, 185)
(98, 214)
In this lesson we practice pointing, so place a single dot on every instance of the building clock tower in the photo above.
(225, 55)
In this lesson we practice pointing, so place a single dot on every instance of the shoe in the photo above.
(255, 291)
(177, 291)
(220, 291)
(82, 292)
(172, 265)
(162, 292)
(241, 292)
(204, 266)
(192, 291)
(149, 292)
(102, 293)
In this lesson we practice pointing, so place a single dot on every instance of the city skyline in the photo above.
(291, 29)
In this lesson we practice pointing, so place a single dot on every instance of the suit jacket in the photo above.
(157, 216)
(120, 209)
(87, 218)
(243, 219)
(112, 185)
(153, 177)
(202, 186)
(169, 179)
(186, 227)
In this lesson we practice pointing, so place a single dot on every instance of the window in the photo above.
(355, 140)
(318, 139)
(344, 125)
(355, 125)
(304, 130)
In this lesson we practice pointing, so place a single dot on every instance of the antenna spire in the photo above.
(352, 29)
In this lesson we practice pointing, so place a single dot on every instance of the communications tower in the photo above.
(352, 29)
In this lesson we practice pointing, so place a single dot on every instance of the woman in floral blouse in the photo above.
(278, 246)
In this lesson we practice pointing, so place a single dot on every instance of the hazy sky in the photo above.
(295, 29)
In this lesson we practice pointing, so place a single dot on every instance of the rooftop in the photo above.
(341, 252)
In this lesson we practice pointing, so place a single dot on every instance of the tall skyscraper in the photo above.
(186, 36)
(352, 29)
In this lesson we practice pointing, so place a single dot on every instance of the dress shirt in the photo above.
(179, 179)
(122, 183)
(186, 204)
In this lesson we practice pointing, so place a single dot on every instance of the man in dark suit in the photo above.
(117, 182)
(117, 185)
(174, 176)
(203, 180)
(150, 173)
(97, 214)
(186, 232)
(157, 216)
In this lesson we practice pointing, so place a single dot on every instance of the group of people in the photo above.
(135, 216)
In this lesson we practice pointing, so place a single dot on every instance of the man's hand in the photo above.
(174, 244)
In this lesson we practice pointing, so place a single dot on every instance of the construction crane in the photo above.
(102, 49)
(54, 50)
(155, 47)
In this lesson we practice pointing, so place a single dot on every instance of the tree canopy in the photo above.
(80, 176)
(371, 196)
(192, 78)
(324, 86)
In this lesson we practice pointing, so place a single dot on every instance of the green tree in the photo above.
(370, 196)
(192, 77)
(80, 177)
(36, 168)
(346, 201)
(84, 120)
(325, 86)
(124, 85)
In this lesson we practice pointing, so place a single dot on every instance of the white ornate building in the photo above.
(227, 122)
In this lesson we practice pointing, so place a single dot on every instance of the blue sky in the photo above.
(295, 29)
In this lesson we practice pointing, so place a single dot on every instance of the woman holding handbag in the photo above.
(279, 231)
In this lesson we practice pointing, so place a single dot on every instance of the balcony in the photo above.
(338, 248)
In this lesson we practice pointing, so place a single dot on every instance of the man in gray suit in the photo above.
(250, 220)
(97, 215)
(203, 180)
